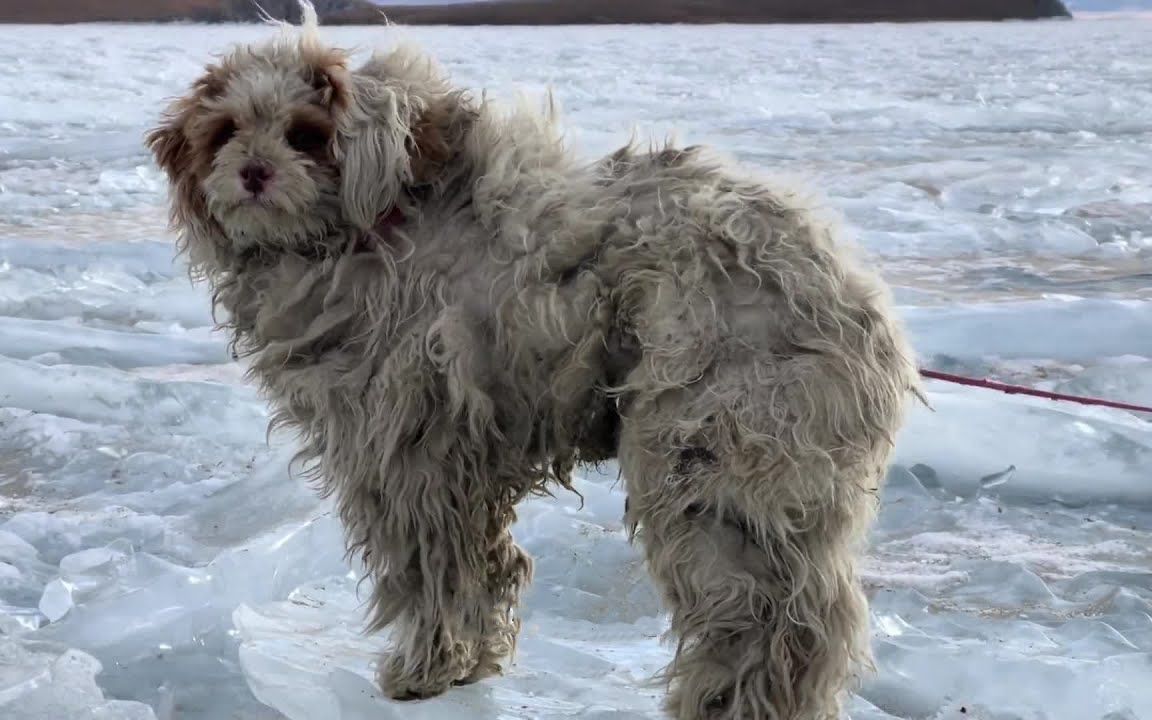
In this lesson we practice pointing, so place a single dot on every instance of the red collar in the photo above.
(382, 229)
(385, 221)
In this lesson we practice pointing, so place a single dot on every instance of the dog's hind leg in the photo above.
(752, 538)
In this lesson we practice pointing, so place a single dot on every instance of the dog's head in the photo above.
(276, 145)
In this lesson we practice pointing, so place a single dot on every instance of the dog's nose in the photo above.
(255, 176)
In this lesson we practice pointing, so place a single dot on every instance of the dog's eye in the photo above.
(223, 134)
(306, 138)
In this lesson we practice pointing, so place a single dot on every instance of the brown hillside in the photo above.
(549, 12)
(73, 11)
(535, 12)
(65, 11)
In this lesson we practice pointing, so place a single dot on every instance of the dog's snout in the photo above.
(255, 176)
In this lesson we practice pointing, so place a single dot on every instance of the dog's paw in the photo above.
(403, 682)
(410, 697)
(712, 706)
(484, 669)
(718, 705)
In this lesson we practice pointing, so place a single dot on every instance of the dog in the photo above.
(452, 312)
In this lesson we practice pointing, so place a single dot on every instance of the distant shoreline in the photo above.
(385, 22)
(539, 12)
(695, 12)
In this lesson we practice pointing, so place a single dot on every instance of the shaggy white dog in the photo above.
(452, 311)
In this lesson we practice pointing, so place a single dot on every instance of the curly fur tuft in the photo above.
(452, 312)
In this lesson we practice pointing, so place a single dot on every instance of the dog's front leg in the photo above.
(446, 574)
(508, 570)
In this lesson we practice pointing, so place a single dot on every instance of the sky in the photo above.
(1109, 4)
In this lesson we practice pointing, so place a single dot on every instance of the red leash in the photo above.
(1019, 390)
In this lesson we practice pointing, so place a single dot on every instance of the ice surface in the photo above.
(157, 559)
(37, 681)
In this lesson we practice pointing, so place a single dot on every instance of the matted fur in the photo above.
(530, 312)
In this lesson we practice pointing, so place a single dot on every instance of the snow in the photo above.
(158, 560)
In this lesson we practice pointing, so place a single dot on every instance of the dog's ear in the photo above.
(173, 145)
(436, 136)
(175, 153)
(389, 140)
(327, 72)
(168, 141)
(371, 134)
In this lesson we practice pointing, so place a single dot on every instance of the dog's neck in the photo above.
(269, 294)
(381, 232)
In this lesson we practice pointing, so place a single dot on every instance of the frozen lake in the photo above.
(158, 561)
